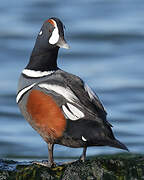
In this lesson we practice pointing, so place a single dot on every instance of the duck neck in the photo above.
(43, 60)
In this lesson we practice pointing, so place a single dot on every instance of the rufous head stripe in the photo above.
(51, 22)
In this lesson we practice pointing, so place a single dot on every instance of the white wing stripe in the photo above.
(75, 111)
(68, 114)
(65, 92)
(91, 94)
(24, 90)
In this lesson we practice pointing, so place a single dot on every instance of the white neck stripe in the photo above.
(23, 91)
(33, 73)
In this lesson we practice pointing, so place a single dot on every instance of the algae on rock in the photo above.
(105, 167)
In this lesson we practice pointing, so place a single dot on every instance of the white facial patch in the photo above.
(55, 34)
(40, 33)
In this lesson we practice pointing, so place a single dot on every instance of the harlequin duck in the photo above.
(59, 105)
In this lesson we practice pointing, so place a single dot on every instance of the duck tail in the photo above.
(116, 143)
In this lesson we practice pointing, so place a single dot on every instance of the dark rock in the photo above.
(105, 167)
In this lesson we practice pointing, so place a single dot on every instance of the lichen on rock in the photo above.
(103, 167)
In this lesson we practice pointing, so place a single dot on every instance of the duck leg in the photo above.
(50, 151)
(50, 161)
(83, 156)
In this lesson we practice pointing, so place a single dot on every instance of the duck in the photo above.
(60, 106)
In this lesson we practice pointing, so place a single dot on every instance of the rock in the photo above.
(105, 167)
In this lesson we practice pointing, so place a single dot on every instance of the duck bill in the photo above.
(62, 43)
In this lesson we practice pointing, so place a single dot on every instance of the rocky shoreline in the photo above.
(125, 166)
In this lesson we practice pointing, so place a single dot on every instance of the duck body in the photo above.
(57, 104)
(84, 116)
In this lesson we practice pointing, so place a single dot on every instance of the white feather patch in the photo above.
(33, 73)
(40, 33)
(55, 35)
(75, 111)
(68, 114)
(91, 94)
(24, 90)
(83, 138)
(65, 92)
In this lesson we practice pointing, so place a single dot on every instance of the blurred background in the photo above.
(107, 50)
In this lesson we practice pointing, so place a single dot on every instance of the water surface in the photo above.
(107, 51)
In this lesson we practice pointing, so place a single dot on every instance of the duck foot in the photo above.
(82, 158)
(50, 162)
(45, 163)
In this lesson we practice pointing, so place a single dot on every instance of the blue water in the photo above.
(107, 51)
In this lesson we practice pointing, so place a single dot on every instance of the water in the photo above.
(107, 51)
